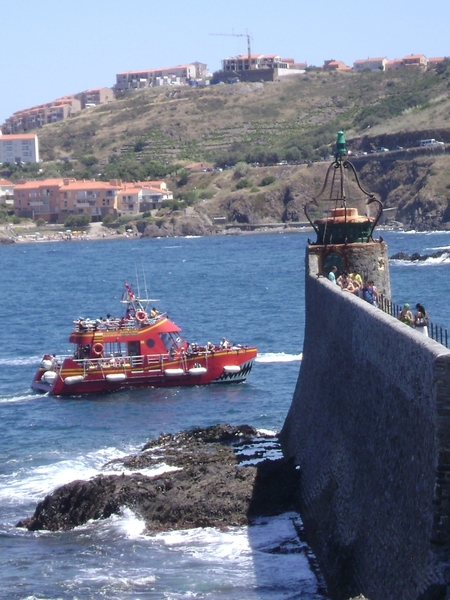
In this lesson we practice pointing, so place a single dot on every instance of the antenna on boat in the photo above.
(145, 281)
(137, 281)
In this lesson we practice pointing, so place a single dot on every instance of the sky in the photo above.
(50, 48)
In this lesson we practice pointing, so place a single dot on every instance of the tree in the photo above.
(77, 220)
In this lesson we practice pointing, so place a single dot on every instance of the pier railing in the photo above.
(438, 333)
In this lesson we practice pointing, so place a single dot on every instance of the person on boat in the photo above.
(421, 319)
(224, 344)
(332, 274)
(154, 313)
(209, 347)
(406, 316)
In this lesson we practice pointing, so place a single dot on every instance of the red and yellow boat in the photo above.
(144, 348)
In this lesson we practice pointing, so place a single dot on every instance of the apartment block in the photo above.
(257, 61)
(16, 148)
(37, 116)
(179, 75)
(371, 64)
(56, 199)
(90, 98)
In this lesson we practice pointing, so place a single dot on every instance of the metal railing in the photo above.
(438, 333)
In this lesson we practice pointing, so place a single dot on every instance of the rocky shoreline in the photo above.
(219, 478)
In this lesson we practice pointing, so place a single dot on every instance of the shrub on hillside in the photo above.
(241, 169)
(267, 180)
(243, 183)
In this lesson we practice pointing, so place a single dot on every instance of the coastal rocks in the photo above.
(179, 225)
(420, 257)
(211, 486)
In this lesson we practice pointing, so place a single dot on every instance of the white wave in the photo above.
(440, 260)
(17, 361)
(130, 525)
(415, 232)
(267, 432)
(19, 398)
(31, 484)
(272, 357)
(438, 249)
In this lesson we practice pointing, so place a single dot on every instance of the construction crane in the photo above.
(247, 35)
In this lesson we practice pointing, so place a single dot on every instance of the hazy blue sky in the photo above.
(50, 48)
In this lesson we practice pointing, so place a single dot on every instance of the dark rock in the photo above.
(419, 257)
(210, 490)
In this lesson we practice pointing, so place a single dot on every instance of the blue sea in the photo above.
(249, 289)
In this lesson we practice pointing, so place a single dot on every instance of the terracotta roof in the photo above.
(6, 182)
(18, 136)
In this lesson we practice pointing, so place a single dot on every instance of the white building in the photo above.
(20, 147)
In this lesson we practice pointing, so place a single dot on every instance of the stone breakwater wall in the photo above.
(369, 427)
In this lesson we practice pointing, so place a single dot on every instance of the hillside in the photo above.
(153, 133)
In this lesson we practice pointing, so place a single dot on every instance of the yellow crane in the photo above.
(247, 35)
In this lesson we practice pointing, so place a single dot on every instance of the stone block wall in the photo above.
(369, 427)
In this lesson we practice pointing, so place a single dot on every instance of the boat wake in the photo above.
(275, 357)
(18, 398)
(20, 361)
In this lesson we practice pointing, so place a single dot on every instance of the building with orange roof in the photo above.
(415, 60)
(432, 62)
(56, 199)
(37, 116)
(335, 65)
(19, 148)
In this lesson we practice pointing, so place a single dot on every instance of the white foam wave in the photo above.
(18, 361)
(19, 398)
(273, 357)
(130, 525)
(440, 260)
(33, 483)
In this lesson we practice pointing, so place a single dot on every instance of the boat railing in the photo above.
(437, 332)
(114, 324)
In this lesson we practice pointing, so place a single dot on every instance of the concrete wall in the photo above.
(369, 427)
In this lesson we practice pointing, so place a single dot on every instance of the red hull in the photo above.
(85, 377)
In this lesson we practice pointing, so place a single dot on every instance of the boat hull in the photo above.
(75, 377)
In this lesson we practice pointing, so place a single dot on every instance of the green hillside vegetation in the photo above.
(154, 133)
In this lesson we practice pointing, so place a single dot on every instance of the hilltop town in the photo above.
(172, 152)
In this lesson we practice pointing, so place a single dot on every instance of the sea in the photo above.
(247, 288)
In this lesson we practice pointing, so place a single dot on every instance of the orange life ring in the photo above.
(98, 349)
(141, 316)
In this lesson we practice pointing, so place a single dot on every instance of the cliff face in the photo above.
(370, 435)
(415, 187)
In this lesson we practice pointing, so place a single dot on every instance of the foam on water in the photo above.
(274, 357)
(33, 483)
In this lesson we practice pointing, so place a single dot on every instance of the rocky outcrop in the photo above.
(420, 257)
(179, 224)
(212, 487)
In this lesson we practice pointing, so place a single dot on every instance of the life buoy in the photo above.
(98, 349)
(141, 316)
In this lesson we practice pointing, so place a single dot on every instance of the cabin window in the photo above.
(133, 348)
(150, 342)
(171, 340)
